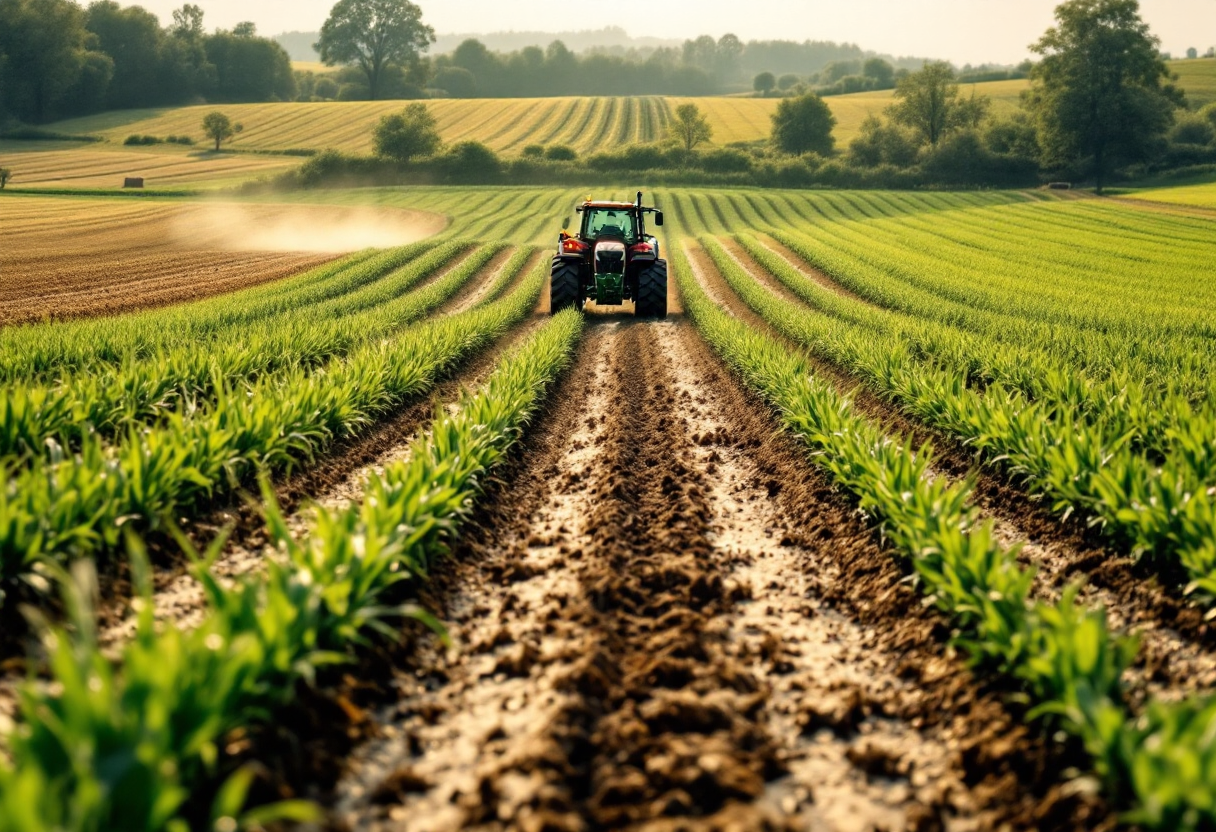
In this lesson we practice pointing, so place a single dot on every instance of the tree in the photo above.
(46, 49)
(188, 22)
(245, 29)
(1100, 95)
(764, 83)
(374, 34)
(5, 175)
(881, 72)
(803, 125)
(325, 89)
(407, 135)
(690, 127)
(929, 102)
(457, 82)
(1192, 53)
(218, 126)
(787, 82)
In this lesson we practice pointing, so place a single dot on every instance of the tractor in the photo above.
(611, 259)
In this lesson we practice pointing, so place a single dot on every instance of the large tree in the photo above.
(47, 51)
(1100, 96)
(929, 102)
(374, 34)
(804, 125)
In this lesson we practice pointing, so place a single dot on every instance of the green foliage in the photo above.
(1100, 95)
(804, 125)
(219, 128)
(534, 151)
(82, 763)
(689, 127)
(929, 103)
(764, 83)
(882, 143)
(57, 505)
(375, 35)
(5, 175)
(407, 135)
(560, 153)
(470, 162)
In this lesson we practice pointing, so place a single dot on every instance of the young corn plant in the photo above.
(123, 745)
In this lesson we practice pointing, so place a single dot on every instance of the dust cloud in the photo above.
(327, 229)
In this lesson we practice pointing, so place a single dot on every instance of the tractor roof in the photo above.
(622, 206)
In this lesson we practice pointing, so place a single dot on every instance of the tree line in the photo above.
(59, 59)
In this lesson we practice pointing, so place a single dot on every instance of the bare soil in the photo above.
(71, 258)
(668, 620)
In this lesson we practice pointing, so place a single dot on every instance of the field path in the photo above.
(658, 618)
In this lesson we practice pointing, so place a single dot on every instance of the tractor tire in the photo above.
(565, 286)
(651, 301)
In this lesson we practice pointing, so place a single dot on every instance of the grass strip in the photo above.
(124, 745)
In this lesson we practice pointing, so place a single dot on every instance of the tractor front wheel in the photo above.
(651, 300)
(565, 286)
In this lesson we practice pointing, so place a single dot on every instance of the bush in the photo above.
(470, 161)
(560, 153)
(186, 140)
(326, 89)
(882, 143)
(725, 160)
(534, 151)
(406, 135)
(137, 139)
(1192, 129)
(354, 92)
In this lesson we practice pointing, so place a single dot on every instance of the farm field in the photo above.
(851, 540)
(71, 257)
(507, 125)
(1198, 78)
(87, 167)
(1202, 195)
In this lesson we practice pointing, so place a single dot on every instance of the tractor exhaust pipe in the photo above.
(639, 205)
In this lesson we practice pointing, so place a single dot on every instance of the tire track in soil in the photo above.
(670, 621)
(1177, 645)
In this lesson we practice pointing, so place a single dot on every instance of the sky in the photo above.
(963, 31)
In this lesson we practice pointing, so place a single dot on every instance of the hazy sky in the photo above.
(960, 30)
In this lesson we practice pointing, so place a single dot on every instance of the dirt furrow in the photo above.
(661, 627)
(1177, 644)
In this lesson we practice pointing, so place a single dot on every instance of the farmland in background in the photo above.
(71, 257)
(1002, 438)
(506, 125)
(1202, 195)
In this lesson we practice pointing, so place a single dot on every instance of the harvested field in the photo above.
(86, 167)
(67, 258)
(850, 540)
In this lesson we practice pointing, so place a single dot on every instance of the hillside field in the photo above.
(506, 125)
(900, 518)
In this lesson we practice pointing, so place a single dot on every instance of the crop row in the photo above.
(1084, 464)
(129, 745)
(114, 399)
(73, 505)
(1161, 765)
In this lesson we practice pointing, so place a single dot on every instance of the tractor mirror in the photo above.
(566, 222)
(658, 218)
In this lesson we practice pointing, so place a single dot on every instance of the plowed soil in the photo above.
(66, 258)
(668, 620)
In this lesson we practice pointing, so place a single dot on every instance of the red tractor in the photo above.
(610, 259)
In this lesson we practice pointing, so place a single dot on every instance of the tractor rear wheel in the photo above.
(565, 285)
(651, 300)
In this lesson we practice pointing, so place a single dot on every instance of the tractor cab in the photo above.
(611, 259)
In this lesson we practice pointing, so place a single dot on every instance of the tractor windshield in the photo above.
(611, 222)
